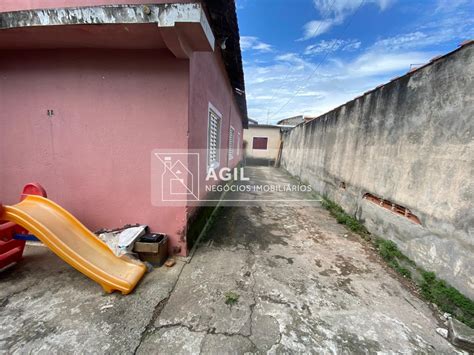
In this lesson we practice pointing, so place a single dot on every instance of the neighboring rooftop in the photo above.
(223, 19)
(294, 120)
(263, 126)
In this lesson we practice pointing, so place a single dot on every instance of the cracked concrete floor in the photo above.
(305, 285)
(48, 307)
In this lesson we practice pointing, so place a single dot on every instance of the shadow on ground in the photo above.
(303, 282)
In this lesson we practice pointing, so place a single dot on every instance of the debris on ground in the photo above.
(337, 295)
(111, 240)
(461, 335)
(443, 332)
(128, 236)
(170, 262)
(121, 240)
(103, 308)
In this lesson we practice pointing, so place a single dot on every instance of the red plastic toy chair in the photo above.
(11, 250)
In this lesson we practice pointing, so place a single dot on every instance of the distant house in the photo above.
(262, 144)
(91, 88)
(294, 121)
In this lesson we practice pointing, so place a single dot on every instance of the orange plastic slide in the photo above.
(74, 243)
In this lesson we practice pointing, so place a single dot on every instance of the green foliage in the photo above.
(404, 272)
(394, 264)
(437, 291)
(388, 249)
(447, 298)
(331, 206)
(231, 298)
(343, 218)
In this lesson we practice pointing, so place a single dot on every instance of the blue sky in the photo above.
(309, 56)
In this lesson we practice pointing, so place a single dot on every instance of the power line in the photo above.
(318, 65)
(329, 9)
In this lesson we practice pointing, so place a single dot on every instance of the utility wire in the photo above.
(318, 65)
(292, 68)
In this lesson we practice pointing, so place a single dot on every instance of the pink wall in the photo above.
(15, 5)
(209, 83)
(111, 109)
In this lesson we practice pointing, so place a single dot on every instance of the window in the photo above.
(260, 143)
(231, 143)
(213, 139)
(238, 143)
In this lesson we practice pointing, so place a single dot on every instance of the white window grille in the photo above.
(213, 140)
(231, 143)
(238, 144)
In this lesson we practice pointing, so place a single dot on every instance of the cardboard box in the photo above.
(153, 248)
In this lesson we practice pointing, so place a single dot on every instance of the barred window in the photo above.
(238, 144)
(231, 143)
(213, 139)
(260, 143)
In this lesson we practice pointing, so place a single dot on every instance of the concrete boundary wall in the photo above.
(407, 147)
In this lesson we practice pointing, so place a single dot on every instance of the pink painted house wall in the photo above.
(112, 107)
(206, 74)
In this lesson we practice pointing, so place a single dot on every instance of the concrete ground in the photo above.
(304, 284)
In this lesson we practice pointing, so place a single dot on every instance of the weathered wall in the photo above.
(274, 139)
(209, 84)
(16, 5)
(111, 109)
(410, 142)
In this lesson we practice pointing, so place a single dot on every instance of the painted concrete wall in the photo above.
(111, 109)
(410, 142)
(209, 85)
(273, 145)
(16, 5)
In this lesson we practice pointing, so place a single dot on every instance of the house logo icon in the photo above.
(179, 174)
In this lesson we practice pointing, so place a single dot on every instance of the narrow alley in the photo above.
(236, 177)
(265, 278)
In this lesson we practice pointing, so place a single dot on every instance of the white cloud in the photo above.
(402, 41)
(240, 4)
(292, 58)
(317, 27)
(443, 5)
(262, 47)
(334, 12)
(449, 22)
(253, 43)
(332, 45)
(345, 8)
(430, 34)
(374, 63)
(314, 90)
(313, 94)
